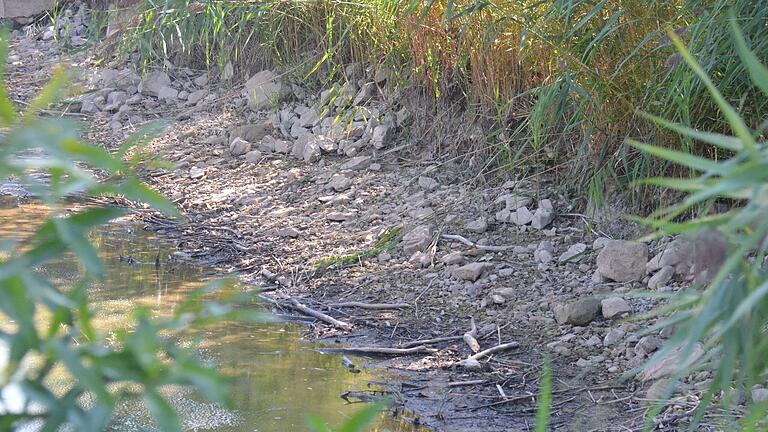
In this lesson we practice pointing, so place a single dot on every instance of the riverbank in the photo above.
(511, 255)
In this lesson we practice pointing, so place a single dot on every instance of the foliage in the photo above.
(48, 329)
(359, 422)
(544, 405)
(728, 312)
(387, 242)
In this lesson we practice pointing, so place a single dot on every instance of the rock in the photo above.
(282, 146)
(167, 93)
(428, 183)
(196, 173)
(357, 163)
(498, 299)
(678, 254)
(309, 118)
(647, 345)
(521, 216)
(115, 100)
(88, 106)
(759, 395)
(542, 217)
(513, 202)
(579, 313)
(470, 272)
(311, 150)
(288, 232)
(420, 259)
(339, 183)
(600, 243)
(614, 306)
(183, 95)
(573, 251)
(661, 277)
(622, 261)
(201, 81)
(253, 156)
(239, 147)
(658, 390)
(340, 216)
(670, 362)
(197, 96)
(366, 93)
(264, 89)
(253, 132)
(153, 83)
(452, 258)
(417, 239)
(477, 226)
(382, 134)
(471, 365)
(613, 336)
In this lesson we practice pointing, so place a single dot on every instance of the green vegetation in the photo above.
(52, 332)
(385, 243)
(558, 81)
(728, 309)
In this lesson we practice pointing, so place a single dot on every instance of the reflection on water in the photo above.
(279, 379)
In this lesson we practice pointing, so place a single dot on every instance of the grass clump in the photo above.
(387, 242)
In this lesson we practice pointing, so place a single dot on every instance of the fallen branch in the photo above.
(489, 351)
(469, 337)
(464, 240)
(465, 383)
(294, 304)
(429, 341)
(421, 349)
(370, 305)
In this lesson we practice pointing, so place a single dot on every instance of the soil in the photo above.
(280, 214)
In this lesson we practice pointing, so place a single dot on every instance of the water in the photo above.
(279, 378)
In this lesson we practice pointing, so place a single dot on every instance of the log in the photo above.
(489, 351)
(429, 341)
(383, 350)
(374, 306)
(294, 304)
(464, 240)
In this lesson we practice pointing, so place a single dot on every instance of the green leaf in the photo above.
(719, 140)
(162, 412)
(76, 239)
(317, 424)
(363, 419)
(544, 404)
(142, 136)
(49, 94)
(680, 158)
(135, 190)
(91, 154)
(7, 109)
(86, 376)
(757, 70)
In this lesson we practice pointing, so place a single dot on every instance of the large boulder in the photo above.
(264, 89)
(153, 83)
(622, 261)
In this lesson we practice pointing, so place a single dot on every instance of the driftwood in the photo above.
(429, 341)
(469, 337)
(489, 351)
(375, 306)
(294, 304)
(464, 240)
(382, 350)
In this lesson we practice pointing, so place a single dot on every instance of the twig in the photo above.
(421, 349)
(464, 240)
(489, 351)
(294, 304)
(374, 306)
(465, 383)
(430, 341)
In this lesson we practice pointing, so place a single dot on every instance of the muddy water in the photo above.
(279, 379)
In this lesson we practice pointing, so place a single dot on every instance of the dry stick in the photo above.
(430, 341)
(465, 241)
(469, 337)
(383, 350)
(489, 351)
(465, 383)
(370, 305)
(294, 304)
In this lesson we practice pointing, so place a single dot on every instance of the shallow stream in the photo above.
(279, 378)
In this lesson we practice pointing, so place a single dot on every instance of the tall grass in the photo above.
(558, 80)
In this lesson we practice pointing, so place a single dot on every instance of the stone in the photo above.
(622, 261)
(513, 202)
(201, 81)
(25, 8)
(282, 146)
(679, 253)
(311, 150)
(600, 243)
(428, 183)
(420, 259)
(452, 258)
(357, 163)
(239, 147)
(521, 216)
(542, 217)
(471, 365)
(339, 183)
(288, 232)
(253, 132)
(197, 96)
(759, 394)
(470, 272)
(614, 306)
(573, 251)
(309, 118)
(263, 90)
(115, 100)
(667, 364)
(153, 83)
(196, 173)
(477, 226)
(579, 313)
(613, 336)
(167, 93)
(382, 134)
(340, 216)
(253, 156)
(647, 345)
(658, 390)
(661, 277)
(417, 239)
